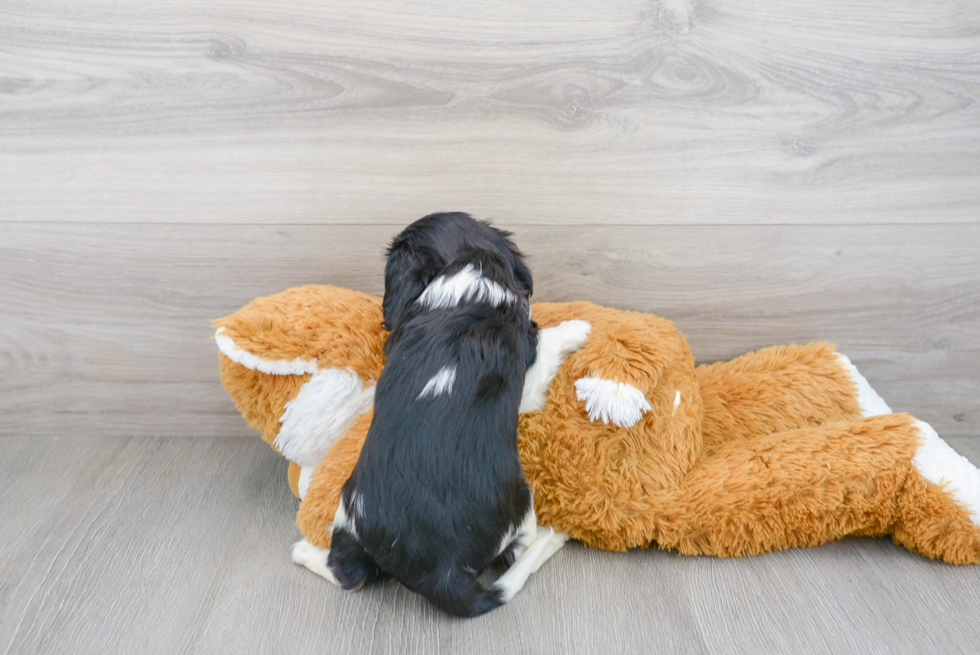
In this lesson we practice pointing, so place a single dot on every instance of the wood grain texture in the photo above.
(625, 112)
(166, 545)
(106, 328)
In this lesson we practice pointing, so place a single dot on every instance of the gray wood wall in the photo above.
(759, 172)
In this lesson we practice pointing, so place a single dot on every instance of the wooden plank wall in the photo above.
(760, 172)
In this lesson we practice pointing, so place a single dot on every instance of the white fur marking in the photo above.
(466, 284)
(941, 465)
(314, 559)
(612, 402)
(357, 500)
(548, 543)
(297, 366)
(524, 534)
(441, 382)
(305, 477)
(320, 414)
(677, 402)
(554, 345)
(342, 522)
(869, 401)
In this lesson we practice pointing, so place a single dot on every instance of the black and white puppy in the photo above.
(438, 493)
(424, 248)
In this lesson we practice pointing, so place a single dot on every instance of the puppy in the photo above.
(426, 246)
(438, 493)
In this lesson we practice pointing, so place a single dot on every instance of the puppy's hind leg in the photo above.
(350, 563)
(346, 563)
(547, 544)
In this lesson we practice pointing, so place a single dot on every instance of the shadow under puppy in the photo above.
(438, 493)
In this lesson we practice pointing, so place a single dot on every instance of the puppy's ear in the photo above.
(407, 273)
(522, 275)
(529, 345)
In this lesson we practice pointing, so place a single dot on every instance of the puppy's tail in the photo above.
(459, 592)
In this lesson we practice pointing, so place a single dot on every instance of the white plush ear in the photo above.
(612, 402)
(296, 366)
(554, 345)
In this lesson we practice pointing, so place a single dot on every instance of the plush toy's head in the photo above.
(301, 365)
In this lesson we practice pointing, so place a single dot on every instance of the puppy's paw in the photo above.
(551, 535)
(554, 344)
(314, 559)
(554, 542)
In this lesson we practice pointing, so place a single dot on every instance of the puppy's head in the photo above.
(420, 252)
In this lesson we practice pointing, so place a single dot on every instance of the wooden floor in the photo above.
(176, 545)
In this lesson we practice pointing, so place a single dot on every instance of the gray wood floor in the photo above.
(176, 545)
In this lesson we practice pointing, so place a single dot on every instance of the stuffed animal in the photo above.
(624, 441)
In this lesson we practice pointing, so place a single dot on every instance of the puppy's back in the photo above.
(439, 482)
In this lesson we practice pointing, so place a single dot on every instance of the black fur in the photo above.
(426, 246)
(438, 480)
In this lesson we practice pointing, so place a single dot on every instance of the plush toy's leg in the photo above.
(873, 476)
(939, 509)
(782, 388)
(315, 516)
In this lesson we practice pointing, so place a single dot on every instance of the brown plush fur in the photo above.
(774, 389)
(764, 452)
(798, 488)
(292, 476)
(330, 324)
(595, 481)
(315, 515)
(259, 397)
(932, 524)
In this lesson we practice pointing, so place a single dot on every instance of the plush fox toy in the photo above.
(624, 441)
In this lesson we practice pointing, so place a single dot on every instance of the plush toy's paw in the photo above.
(314, 559)
(612, 402)
(554, 345)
